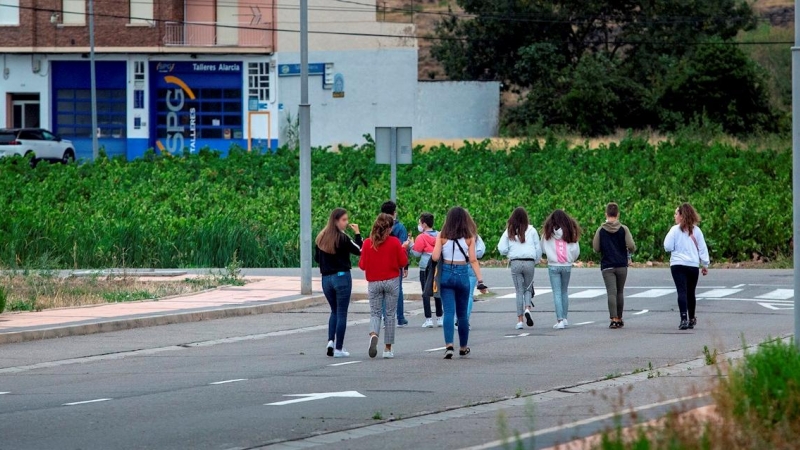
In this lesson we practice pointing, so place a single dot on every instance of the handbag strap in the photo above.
(466, 258)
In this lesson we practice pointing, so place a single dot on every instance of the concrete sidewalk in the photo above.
(260, 295)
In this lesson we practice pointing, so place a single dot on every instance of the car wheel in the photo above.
(31, 157)
(69, 156)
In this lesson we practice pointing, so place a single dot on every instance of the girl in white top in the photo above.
(520, 243)
(688, 251)
(561, 234)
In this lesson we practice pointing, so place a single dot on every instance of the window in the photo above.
(258, 80)
(215, 114)
(141, 12)
(74, 113)
(9, 13)
(74, 12)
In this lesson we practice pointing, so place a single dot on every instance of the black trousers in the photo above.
(685, 278)
(426, 299)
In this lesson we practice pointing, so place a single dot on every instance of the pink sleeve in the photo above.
(419, 244)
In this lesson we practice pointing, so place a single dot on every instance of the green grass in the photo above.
(128, 296)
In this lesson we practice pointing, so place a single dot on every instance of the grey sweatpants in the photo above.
(383, 294)
(615, 289)
(522, 275)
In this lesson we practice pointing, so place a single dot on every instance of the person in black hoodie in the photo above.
(615, 243)
(332, 253)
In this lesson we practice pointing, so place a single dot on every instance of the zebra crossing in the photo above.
(773, 299)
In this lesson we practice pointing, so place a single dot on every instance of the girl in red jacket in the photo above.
(383, 257)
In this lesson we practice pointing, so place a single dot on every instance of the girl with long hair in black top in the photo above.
(333, 250)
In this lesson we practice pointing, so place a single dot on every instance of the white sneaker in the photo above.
(388, 355)
(566, 322)
(559, 325)
(341, 353)
(428, 323)
(330, 348)
(520, 326)
(439, 322)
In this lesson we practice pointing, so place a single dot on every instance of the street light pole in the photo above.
(305, 157)
(93, 77)
(796, 167)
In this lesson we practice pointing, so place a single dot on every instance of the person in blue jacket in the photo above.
(399, 231)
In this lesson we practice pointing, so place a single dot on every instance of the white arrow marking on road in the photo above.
(3, 393)
(318, 396)
(739, 286)
(583, 323)
(436, 349)
(228, 381)
(344, 363)
(778, 294)
(87, 401)
(517, 335)
(777, 306)
(644, 311)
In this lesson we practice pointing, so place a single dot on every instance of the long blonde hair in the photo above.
(328, 239)
(381, 230)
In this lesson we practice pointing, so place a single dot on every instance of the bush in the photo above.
(200, 210)
(3, 299)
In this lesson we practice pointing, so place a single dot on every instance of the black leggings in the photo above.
(685, 278)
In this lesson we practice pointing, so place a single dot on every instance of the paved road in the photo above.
(154, 387)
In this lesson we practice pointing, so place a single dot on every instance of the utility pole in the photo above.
(93, 77)
(305, 157)
(796, 167)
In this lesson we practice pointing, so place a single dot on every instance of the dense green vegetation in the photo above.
(595, 66)
(200, 209)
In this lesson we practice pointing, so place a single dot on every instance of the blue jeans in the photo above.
(401, 318)
(455, 300)
(337, 288)
(473, 283)
(559, 281)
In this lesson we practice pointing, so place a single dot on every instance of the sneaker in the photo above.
(559, 325)
(684, 325)
(388, 355)
(428, 323)
(373, 346)
(330, 348)
(565, 322)
(341, 353)
(529, 317)
(692, 323)
(520, 326)
(439, 322)
(402, 323)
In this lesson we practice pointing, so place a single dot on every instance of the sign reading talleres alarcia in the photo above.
(187, 93)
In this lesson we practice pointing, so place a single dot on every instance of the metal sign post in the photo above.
(796, 167)
(305, 157)
(93, 83)
(393, 147)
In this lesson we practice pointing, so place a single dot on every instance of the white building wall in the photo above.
(380, 89)
(25, 74)
(457, 110)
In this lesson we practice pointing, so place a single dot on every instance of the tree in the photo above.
(573, 59)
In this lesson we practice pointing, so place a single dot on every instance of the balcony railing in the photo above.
(196, 34)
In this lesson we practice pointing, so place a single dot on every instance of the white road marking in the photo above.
(3, 393)
(436, 349)
(228, 381)
(653, 293)
(589, 293)
(583, 323)
(514, 295)
(344, 363)
(644, 311)
(718, 293)
(777, 306)
(587, 421)
(778, 294)
(739, 286)
(87, 401)
(318, 396)
(538, 293)
(517, 335)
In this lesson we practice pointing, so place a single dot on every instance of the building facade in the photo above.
(182, 75)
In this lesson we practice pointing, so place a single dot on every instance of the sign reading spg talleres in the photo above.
(179, 78)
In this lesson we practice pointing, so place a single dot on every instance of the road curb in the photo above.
(158, 320)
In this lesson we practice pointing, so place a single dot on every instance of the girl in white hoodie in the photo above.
(561, 234)
(520, 243)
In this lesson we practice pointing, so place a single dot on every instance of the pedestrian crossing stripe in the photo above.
(719, 293)
(653, 293)
(777, 294)
(538, 293)
(589, 293)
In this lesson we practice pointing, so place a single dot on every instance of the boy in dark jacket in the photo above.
(614, 242)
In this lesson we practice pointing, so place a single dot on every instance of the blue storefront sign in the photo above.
(199, 67)
(293, 70)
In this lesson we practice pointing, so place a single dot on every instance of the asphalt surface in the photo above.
(154, 387)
